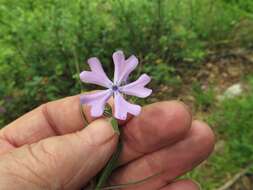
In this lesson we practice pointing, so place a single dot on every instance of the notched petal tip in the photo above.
(96, 75)
(83, 75)
(133, 60)
(148, 92)
(123, 107)
(129, 65)
(92, 60)
(118, 53)
(146, 77)
(123, 117)
(137, 110)
(137, 88)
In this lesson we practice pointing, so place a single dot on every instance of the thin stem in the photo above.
(125, 185)
(112, 164)
(84, 118)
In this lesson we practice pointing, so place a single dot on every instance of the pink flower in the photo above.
(123, 67)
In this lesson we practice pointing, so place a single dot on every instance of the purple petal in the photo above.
(137, 88)
(123, 67)
(129, 65)
(96, 75)
(97, 101)
(122, 107)
(118, 60)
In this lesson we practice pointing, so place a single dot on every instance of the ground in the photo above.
(200, 89)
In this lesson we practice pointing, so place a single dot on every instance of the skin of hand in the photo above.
(50, 148)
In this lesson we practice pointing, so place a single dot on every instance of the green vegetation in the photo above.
(233, 124)
(44, 45)
(204, 98)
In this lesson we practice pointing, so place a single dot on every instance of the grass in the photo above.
(44, 44)
(204, 98)
(232, 122)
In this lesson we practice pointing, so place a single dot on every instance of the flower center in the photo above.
(115, 88)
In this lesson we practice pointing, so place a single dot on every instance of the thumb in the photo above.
(62, 162)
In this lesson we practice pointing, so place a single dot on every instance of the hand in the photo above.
(49, 148)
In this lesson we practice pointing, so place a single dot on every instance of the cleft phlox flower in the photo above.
(116, 89)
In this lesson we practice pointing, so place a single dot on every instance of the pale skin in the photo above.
(49, 147)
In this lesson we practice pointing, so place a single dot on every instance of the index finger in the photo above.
(54, 118)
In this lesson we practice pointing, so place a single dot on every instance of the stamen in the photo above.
(115, 88)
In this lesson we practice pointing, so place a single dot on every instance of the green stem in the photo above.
(125, 185)
(115, 125)
(84, 118)
(113, 162)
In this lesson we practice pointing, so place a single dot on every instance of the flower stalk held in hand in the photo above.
(118, 89)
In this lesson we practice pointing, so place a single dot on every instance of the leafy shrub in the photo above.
(45, 43)
(235, 124)
(162, 74)
(204, 98)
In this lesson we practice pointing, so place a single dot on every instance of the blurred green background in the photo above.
(197, 51)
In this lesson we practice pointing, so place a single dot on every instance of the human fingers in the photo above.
(169, 162)
(51, 119)
(159, 125)
(59, 162)
(64, 116)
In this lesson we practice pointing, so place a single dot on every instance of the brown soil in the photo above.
(220, 70)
